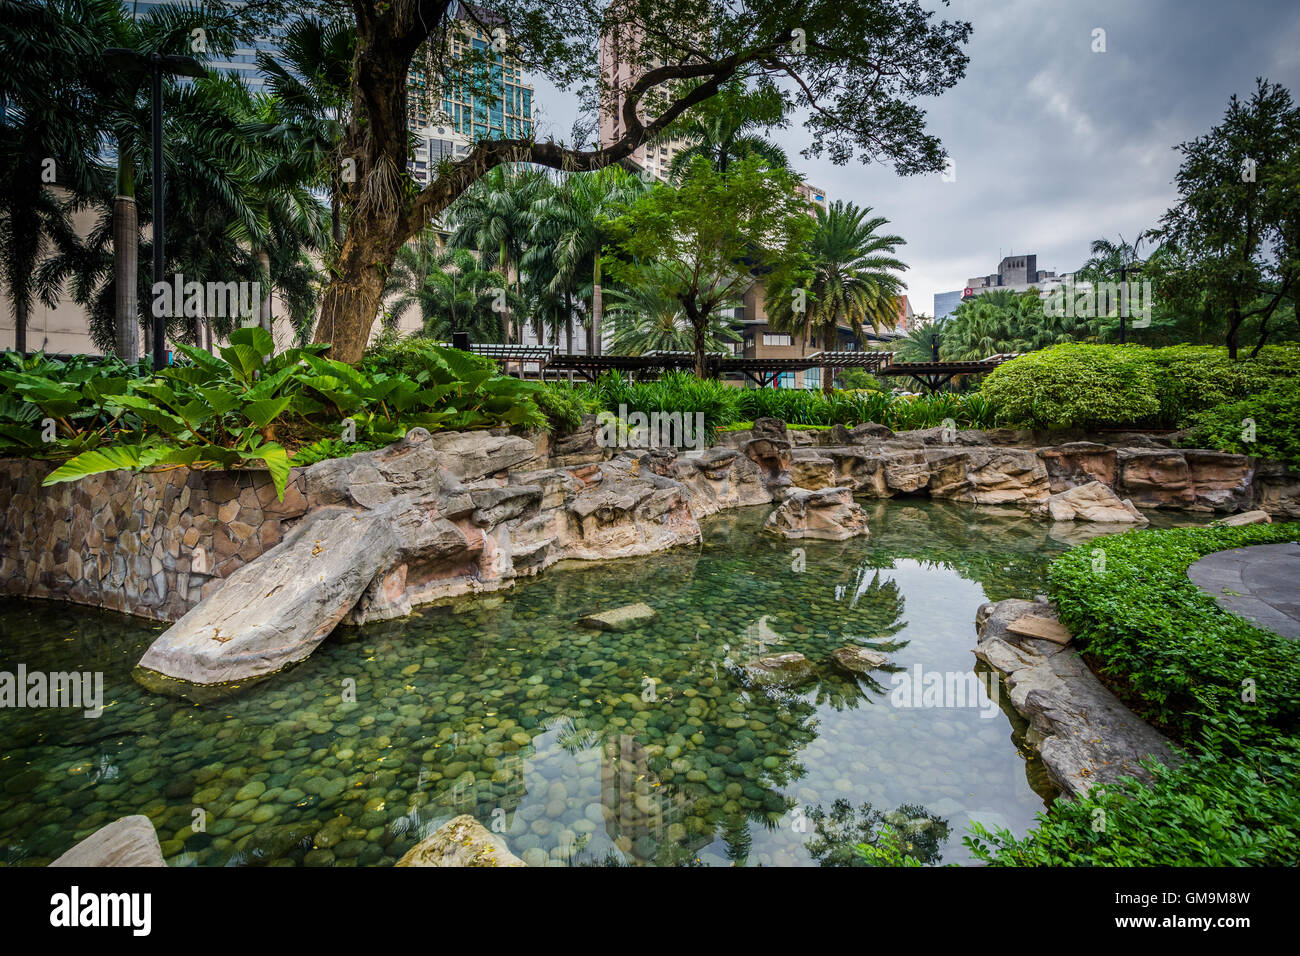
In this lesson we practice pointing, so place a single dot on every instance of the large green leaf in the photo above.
(111, 458)
(266, 411)
(277, 463)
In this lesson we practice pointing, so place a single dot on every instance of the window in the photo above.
(812, 378)
(785, 380)
(774, 338)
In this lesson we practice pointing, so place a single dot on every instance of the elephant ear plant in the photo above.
(245, 406)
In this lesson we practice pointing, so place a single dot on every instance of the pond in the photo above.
(649, 746)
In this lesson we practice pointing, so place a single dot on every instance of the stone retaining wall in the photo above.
(153, 545)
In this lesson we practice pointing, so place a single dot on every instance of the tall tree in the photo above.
(854, 280)
(648, 317)
(725, 128)
(494, 217)
(711, 234)
(857, 68)
(571, 223)
(1234, 229)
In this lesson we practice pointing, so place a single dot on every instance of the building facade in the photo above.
(617, 56)
(449, 113)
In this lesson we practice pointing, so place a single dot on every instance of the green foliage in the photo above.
(1275, 414)
(564, 405)
(854, 278)
(711, 233)
(240, 406)
(727, 407)
(1182, 662)
(1089, 386)
(859, 378)
(1076, 386)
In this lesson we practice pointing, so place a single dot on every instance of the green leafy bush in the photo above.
(1183, 663)
(244, 405)
(1076, 386)
(1089, 386)
(724, 406)
(1266, 425)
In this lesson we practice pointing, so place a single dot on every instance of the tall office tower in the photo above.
(619, 53)
(487, 99)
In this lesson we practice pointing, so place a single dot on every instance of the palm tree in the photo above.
(647, 317)
(494, 217)
(49, 138)
(569, 237)
(853, 283)
(310, 80)
(452, 291)
(722, 129)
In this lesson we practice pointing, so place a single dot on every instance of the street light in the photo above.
(1124, 269)
(156, 64)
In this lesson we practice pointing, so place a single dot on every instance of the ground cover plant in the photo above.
(1226, 691)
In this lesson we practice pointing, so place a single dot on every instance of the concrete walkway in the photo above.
(1260, 583)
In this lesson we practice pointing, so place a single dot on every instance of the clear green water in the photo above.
(503, 707)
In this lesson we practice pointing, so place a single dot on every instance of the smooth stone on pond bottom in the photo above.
(250, 790)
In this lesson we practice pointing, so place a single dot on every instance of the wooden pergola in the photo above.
(763, 372)
(934, 375)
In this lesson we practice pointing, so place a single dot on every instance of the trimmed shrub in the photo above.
(1092, 386)
(1076, 386)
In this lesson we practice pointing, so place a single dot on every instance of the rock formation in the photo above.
(1082, 731)
(1091, 502)
(461, 841)
(129, 841)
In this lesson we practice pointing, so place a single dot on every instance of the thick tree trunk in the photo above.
(20, 326)
(126, 261)
(352, 298)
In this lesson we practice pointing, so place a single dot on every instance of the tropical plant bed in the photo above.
(246, 406)
(1227, 691)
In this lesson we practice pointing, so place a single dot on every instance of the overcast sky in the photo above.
(1054, 145)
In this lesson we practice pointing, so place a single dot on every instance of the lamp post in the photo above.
(1124, 269)
(155, 64)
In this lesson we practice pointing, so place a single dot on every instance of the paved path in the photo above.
(1260, 583)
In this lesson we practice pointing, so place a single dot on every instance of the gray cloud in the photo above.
(1055, 145)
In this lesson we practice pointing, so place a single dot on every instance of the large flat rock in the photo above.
(274, 611)
(1084, 733)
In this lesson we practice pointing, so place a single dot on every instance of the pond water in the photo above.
(649, 746)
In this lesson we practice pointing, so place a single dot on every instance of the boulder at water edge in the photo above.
(1091, 502)
(829, 514)
(462, 841)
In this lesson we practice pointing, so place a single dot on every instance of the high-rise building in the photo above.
(617, 56)
(498, 105)
(242, 61)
